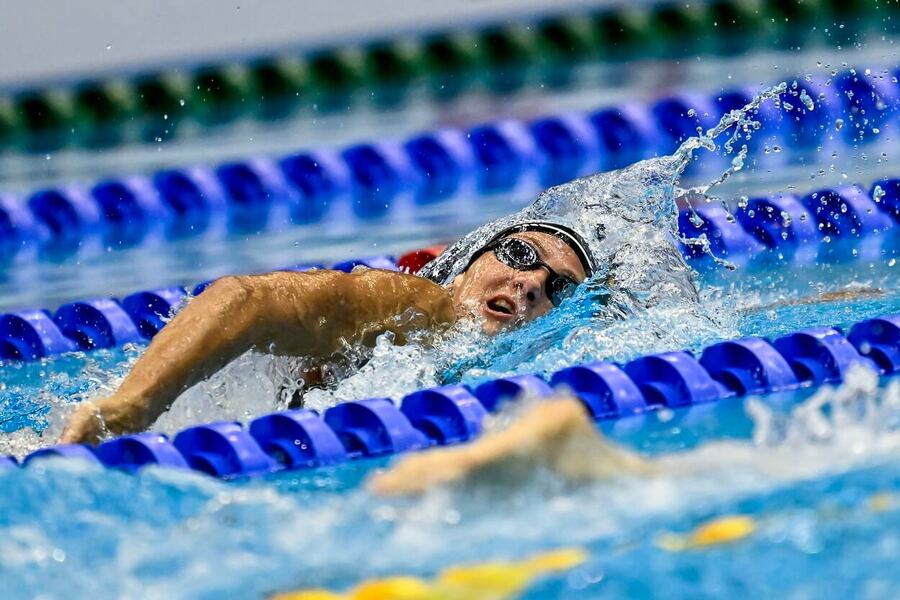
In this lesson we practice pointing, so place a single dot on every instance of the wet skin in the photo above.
(313, 314)
(504, 297)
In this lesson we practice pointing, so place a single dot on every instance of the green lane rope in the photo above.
(501, 58)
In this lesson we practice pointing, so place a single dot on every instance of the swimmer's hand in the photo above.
(93, 421)
(85, 425)
(555, 433)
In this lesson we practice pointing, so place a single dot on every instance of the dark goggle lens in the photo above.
(560, 288)
(518, 254)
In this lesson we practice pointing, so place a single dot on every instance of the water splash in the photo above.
(837, 429)
(32, 416)
(643, 297)
(622, 211)
(855, 415)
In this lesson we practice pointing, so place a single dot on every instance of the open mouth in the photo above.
(501, 308)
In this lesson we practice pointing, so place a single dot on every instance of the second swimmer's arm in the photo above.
(556, 432)
(309, 314)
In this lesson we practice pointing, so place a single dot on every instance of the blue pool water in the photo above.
(68, 528)
(808, 465)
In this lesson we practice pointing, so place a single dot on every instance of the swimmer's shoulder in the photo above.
(384, 292)
(410, 291)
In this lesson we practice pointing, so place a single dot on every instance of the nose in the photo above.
(531, 285)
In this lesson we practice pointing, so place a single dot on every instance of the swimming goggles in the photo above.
(520, 255)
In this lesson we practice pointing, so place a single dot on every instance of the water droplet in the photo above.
(838, 124)
(807, 100)
(109, 46)
(786, 218)
(181, 101)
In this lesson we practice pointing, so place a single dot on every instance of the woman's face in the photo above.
(505, 297)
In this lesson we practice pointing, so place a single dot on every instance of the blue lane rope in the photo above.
(798, 229)
(300, 439)
(259, 194)
(32, 334)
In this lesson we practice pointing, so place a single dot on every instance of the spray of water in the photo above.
(643, 297)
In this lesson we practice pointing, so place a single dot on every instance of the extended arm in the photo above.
(309, 314)
(555, 432)
(855, 293)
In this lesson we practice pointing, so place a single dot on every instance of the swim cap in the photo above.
(621, 225)
(566, 234)
(570, 212)
(457, 258)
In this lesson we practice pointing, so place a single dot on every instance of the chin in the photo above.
(492, 326)
(489, 326)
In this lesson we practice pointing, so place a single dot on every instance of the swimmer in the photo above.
(519, 274)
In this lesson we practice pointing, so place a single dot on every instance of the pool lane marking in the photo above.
(490, 580)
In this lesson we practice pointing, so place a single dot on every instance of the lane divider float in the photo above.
(826, 225)
(300, 439)
(378, 179)
(500, 58)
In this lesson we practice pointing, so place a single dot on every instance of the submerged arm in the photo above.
(856, 293)
(310, 314)
(556, 433)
